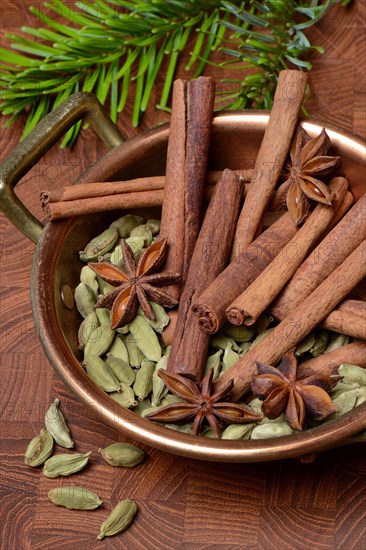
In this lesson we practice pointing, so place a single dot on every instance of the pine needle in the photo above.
(106, 45)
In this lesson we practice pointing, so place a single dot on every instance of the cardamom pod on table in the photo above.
(119, 519)
(57, 427)
(74, 498)
(65, 464)
(39, 449)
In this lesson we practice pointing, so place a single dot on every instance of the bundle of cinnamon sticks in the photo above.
(283, 270)
(231, 270)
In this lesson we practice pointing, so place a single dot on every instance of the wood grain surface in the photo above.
(183, 504)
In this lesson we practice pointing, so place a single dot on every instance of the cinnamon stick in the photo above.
(348, 318)
(328, 363)
(105, 188)
(103, 196)
(211, 305)
(102, 189)
(188, 145)
(345, 323)
(298, 323)
(167, 335)
(256, 298)
(327, 256)
(271, 157)
(354, 307)
(66, 209)
(212, 250)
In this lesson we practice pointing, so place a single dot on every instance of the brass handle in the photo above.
(27, 153)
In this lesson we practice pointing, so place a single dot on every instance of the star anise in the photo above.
(200, 404)
(136, 283)
(308, 161)
(280, 391)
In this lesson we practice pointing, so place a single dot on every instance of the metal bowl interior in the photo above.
(236, 139)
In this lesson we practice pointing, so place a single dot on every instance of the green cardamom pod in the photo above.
(74, 498)
(342, 387)
(103, 315)
(100, 340)
(118, 349)
(122, 454)
(134, 353)
(39, 449)
(101, 373)
(89, 324)
(344, 402)
(170, 398)
(337, 341)
(89, 277)
(161, 317)
(105, 257)
(119, 519)
(123, 330)
(142, 406)
(159, 389)
(65, 465)
(143, 381)
(255, 405)
(352, 374)
(145, 338)
(237, 431)
(220, 341)
(117, 256)
(124, 397)
(239, 334)
(100, 245)
(263, 322)
(85, 299)
(126, 224)
(208, 432)
(244, 348)
(143, 232)
(305, 345)
(214, 362)
(361, 396)
(271, 429)
(230, 358)
(154, 226)
(137, 245)
(321, 343)
(184, 428)
(57, 427)
(104, 287)
(260, 337)
(121, 369)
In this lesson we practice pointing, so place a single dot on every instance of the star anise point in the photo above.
(200, 404)
(281, 391)
(308, 160)
(136, 283)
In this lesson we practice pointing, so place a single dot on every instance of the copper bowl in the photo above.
(236, 138)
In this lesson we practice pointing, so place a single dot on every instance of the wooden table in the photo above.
(183, 504)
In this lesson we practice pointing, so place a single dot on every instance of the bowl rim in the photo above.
(322, 437)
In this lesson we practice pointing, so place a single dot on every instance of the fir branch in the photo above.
(112, 43)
